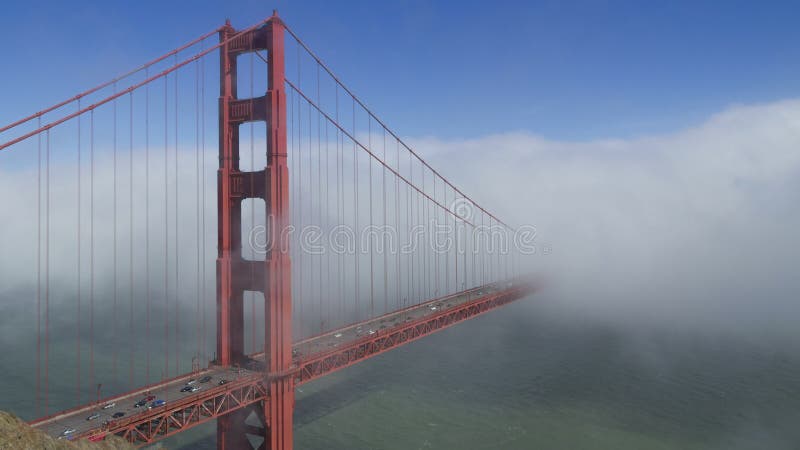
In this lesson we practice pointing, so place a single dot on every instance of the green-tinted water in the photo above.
(526, 378)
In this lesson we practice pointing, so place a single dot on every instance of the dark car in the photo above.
(205, 379)
(118, 415)
(140, 403)
(186, 389)
(150, 398)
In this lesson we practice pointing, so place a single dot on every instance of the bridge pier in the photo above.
(235, 274)
(233, 429)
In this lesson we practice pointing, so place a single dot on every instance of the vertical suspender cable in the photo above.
(78, 322)
(473, 259)
(290, 108)
(435, 242)
(429, 222)
(339, 214)
(300, 224)
(383, 234)
(311, 258)
(492, 250)
(47, 279)
(39, 272)
(319, 201)
(165, 371)
(203, 193)
(485, 241)
(355, 215)
(177, 235)
(423, 255)
(293, 187)
(114, 206)
(147, 226)
(411, 234)
(497, 269)
(458, 248)
(327, 219)
(465, 250)
(421, 273)
(91, 248)
(130, 245)
(397, 227)
(420, 254)
(197, 175)
(290, 105)
(371, 255)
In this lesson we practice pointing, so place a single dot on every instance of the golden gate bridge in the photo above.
(336, 241)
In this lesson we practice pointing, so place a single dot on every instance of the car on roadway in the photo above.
(93, 416)
(68, 431)
(192, 381)
(140, 403)
(194, 388)
(150, 398)
(156, 404)
(205, 379)
(186, 388)
(117, 415)
(109, 405)
(222, 381)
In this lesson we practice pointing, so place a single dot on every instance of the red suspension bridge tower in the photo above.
(235, 275)
(350, 171)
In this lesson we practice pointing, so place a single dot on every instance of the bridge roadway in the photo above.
(146, 424)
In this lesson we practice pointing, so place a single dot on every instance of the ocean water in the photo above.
(530, 377)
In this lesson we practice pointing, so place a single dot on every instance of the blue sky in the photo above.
(565, 70)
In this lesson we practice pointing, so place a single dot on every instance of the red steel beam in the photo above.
(160, 423)
(249, 393)
(320, 364)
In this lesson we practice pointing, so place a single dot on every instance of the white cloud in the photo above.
(699, 225)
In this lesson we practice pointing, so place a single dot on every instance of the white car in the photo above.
(68, 431)
(109, 405)
(194, 389)
(337, 335)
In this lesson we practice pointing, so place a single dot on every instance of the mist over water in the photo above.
(537, 375)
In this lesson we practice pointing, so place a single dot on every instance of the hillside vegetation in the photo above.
(16, 434)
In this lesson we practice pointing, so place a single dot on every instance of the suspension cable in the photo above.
(357, 143)
(374, 116)
(110, 82)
